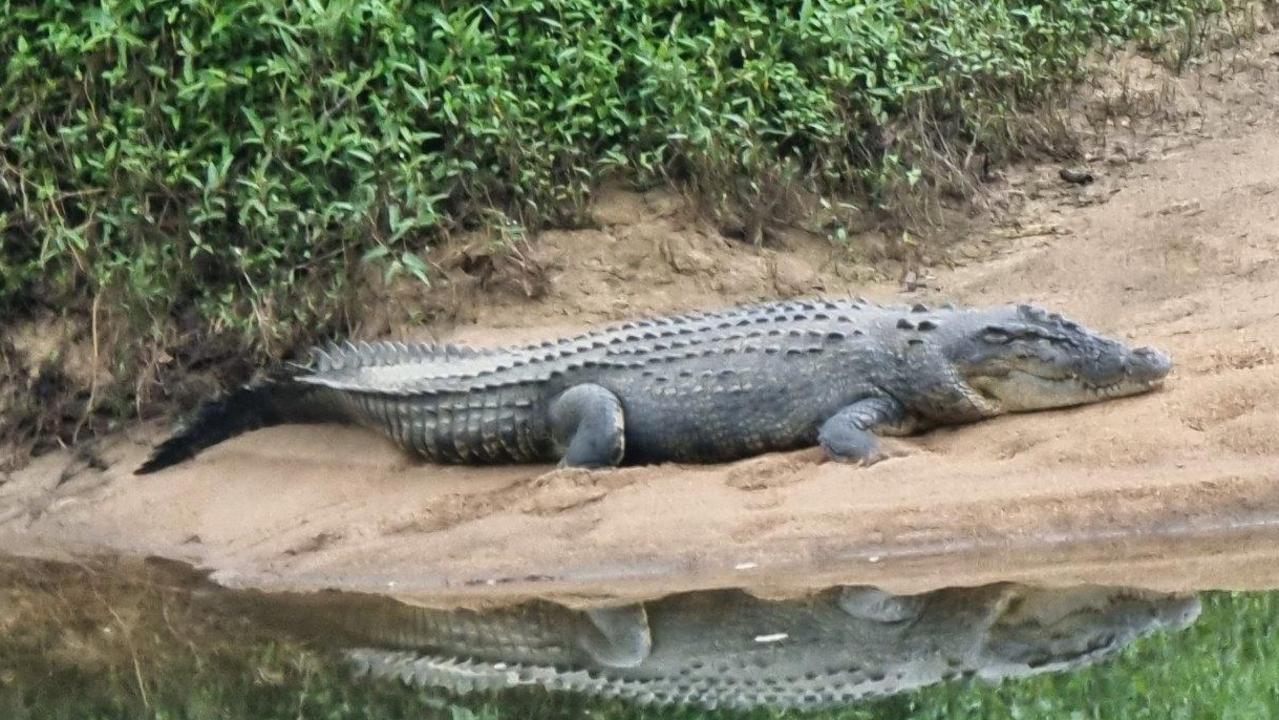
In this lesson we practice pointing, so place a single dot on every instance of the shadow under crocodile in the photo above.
(727, 648)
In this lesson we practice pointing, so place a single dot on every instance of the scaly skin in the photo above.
(728, 648)
(705, 387)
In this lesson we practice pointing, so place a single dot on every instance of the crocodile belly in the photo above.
(719, 422)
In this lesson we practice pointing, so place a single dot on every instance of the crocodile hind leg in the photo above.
(587, 423)
(847, 435)
(868, 603)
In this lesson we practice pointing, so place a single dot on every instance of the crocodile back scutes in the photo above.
(427, 369)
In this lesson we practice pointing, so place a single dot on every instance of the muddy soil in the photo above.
(1176, 244)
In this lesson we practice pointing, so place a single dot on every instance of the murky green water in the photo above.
(128, 642)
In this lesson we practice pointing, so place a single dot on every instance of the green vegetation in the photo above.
(91, 646)
(217, 153)
(215, 173)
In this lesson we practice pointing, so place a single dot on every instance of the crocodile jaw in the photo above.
(1046, 629)
(1020, 391)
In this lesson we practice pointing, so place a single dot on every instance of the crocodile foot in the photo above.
(616, 636)
(868, 603)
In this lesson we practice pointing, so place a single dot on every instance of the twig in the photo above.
(93, 380)
(133, 653)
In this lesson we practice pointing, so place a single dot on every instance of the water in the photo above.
(124, 641)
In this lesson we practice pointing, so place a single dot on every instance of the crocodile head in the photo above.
(1048, 629)
(1022, 358)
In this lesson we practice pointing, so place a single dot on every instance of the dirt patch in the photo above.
(1174, 246)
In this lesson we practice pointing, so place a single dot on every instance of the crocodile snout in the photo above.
(1149, 364)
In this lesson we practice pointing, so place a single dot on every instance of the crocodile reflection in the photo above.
(727, 648)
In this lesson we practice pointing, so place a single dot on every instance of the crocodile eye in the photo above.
(995, 336)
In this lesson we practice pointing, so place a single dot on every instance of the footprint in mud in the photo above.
(578, 528)
(551, 493)
(1028, 438)
(1225, 401)
(773, 471)
(758, 527)
(314, 544)
(764, 501)
(1251, 434)
(570, 489)
(1243, 358)
(1236, 412)
(449, 511)
(1015, 445)
(1260, 189)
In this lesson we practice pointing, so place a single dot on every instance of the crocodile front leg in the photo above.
(868, 603)
(616, 637)
(587, 423)
(847, 435)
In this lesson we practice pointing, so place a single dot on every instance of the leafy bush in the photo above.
(233, 162)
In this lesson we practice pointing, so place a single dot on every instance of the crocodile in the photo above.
(728, 648)
(699, 388)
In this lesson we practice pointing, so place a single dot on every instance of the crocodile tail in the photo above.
(260, 404)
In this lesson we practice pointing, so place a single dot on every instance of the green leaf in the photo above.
(416, 267)
(377, 252)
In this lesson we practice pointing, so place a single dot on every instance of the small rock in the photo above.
(684, 257)
(617, 207)
(1076, 177)
(913, 281)
(792, 276)
(1188, 208)
(1031, 230)
(662, 203)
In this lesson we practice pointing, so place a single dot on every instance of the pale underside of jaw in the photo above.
(1021, 391)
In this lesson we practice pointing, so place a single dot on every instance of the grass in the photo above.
(87, 645)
